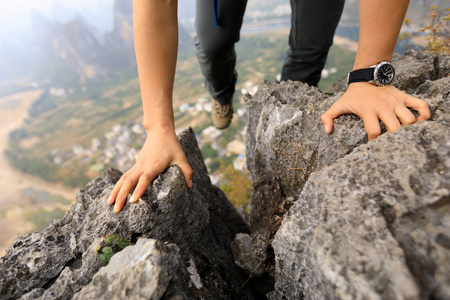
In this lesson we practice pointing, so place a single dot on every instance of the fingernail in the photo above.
(109, 200)
(132, 199)
(116, 209)
(190, 184)
(327, 128)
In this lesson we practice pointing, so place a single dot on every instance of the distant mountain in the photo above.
(74, 52)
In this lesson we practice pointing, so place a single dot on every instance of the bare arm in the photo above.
(379, 26)
(156, 43)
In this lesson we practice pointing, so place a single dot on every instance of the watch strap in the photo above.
(361, 75)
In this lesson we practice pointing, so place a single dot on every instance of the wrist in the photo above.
(155, 126)
(370, 60)
(380, 74)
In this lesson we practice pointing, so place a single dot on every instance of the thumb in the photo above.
(328, 117)
(187, 172)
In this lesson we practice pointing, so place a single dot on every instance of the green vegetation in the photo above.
(237, 185)
(208, 151)
(39, 196)
(260, 57)
(84, 114)
(42, 218)
(32, 165)
(110, 245)
(341, 59)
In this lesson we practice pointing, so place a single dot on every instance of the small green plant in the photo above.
(110, 245)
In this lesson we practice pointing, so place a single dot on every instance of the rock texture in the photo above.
(58, 262)
(243, 255)
(375, 224)
(332, 217)
(143, 271)
(365, 220)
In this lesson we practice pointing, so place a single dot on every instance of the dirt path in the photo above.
(13, 111)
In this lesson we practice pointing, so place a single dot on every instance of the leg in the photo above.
(215, 45)
(313, 24)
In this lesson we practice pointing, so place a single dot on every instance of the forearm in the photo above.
(380, 22)
(156, 43)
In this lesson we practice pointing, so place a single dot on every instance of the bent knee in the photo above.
(220, 45)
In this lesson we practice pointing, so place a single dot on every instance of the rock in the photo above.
(358, 219)
(243, 255)
(374, 224)
(286, 141)
(369, 229)
(142, 271)
(200, 221)
(77, 273)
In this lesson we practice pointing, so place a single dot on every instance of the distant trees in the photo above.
(236, 184)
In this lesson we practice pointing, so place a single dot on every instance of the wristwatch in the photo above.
(380, 74)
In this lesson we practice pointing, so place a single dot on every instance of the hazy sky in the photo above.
(15, 14)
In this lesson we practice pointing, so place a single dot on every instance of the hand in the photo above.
(161, 150)
(372, 103)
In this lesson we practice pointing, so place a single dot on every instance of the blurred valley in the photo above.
(71, 108)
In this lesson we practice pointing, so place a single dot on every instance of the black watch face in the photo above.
(385, 74)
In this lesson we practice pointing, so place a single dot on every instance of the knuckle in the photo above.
(123, 177)
(424, 106)
(145, 177)
(189, 172)
(422, 103)
(127, 173)
(129, 180)
(410, 120)
(374, 132)
(384, 105)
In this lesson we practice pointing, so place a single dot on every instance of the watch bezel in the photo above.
(375, 73)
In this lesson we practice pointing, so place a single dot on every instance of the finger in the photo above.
(389, 119)
(127, 185)
(404, 115)
(187, 172)
(113, 195)
(327, 118)
(419, 105)
(372, 126)
(142, 185)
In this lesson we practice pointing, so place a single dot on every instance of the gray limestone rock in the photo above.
(200, 221)
(374, 225)
(286, 141)
(76, 274)
(141, 271)
(243, 255)
(285, 144)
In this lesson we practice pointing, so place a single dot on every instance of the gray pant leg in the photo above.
(313, 24)
(215, 45)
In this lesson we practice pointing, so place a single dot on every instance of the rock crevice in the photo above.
(332, 216)
(367, 221)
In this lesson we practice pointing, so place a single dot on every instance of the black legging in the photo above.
(313, 24)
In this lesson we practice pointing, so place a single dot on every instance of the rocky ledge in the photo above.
(332, 217)
(183, 244)
(337, 217)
